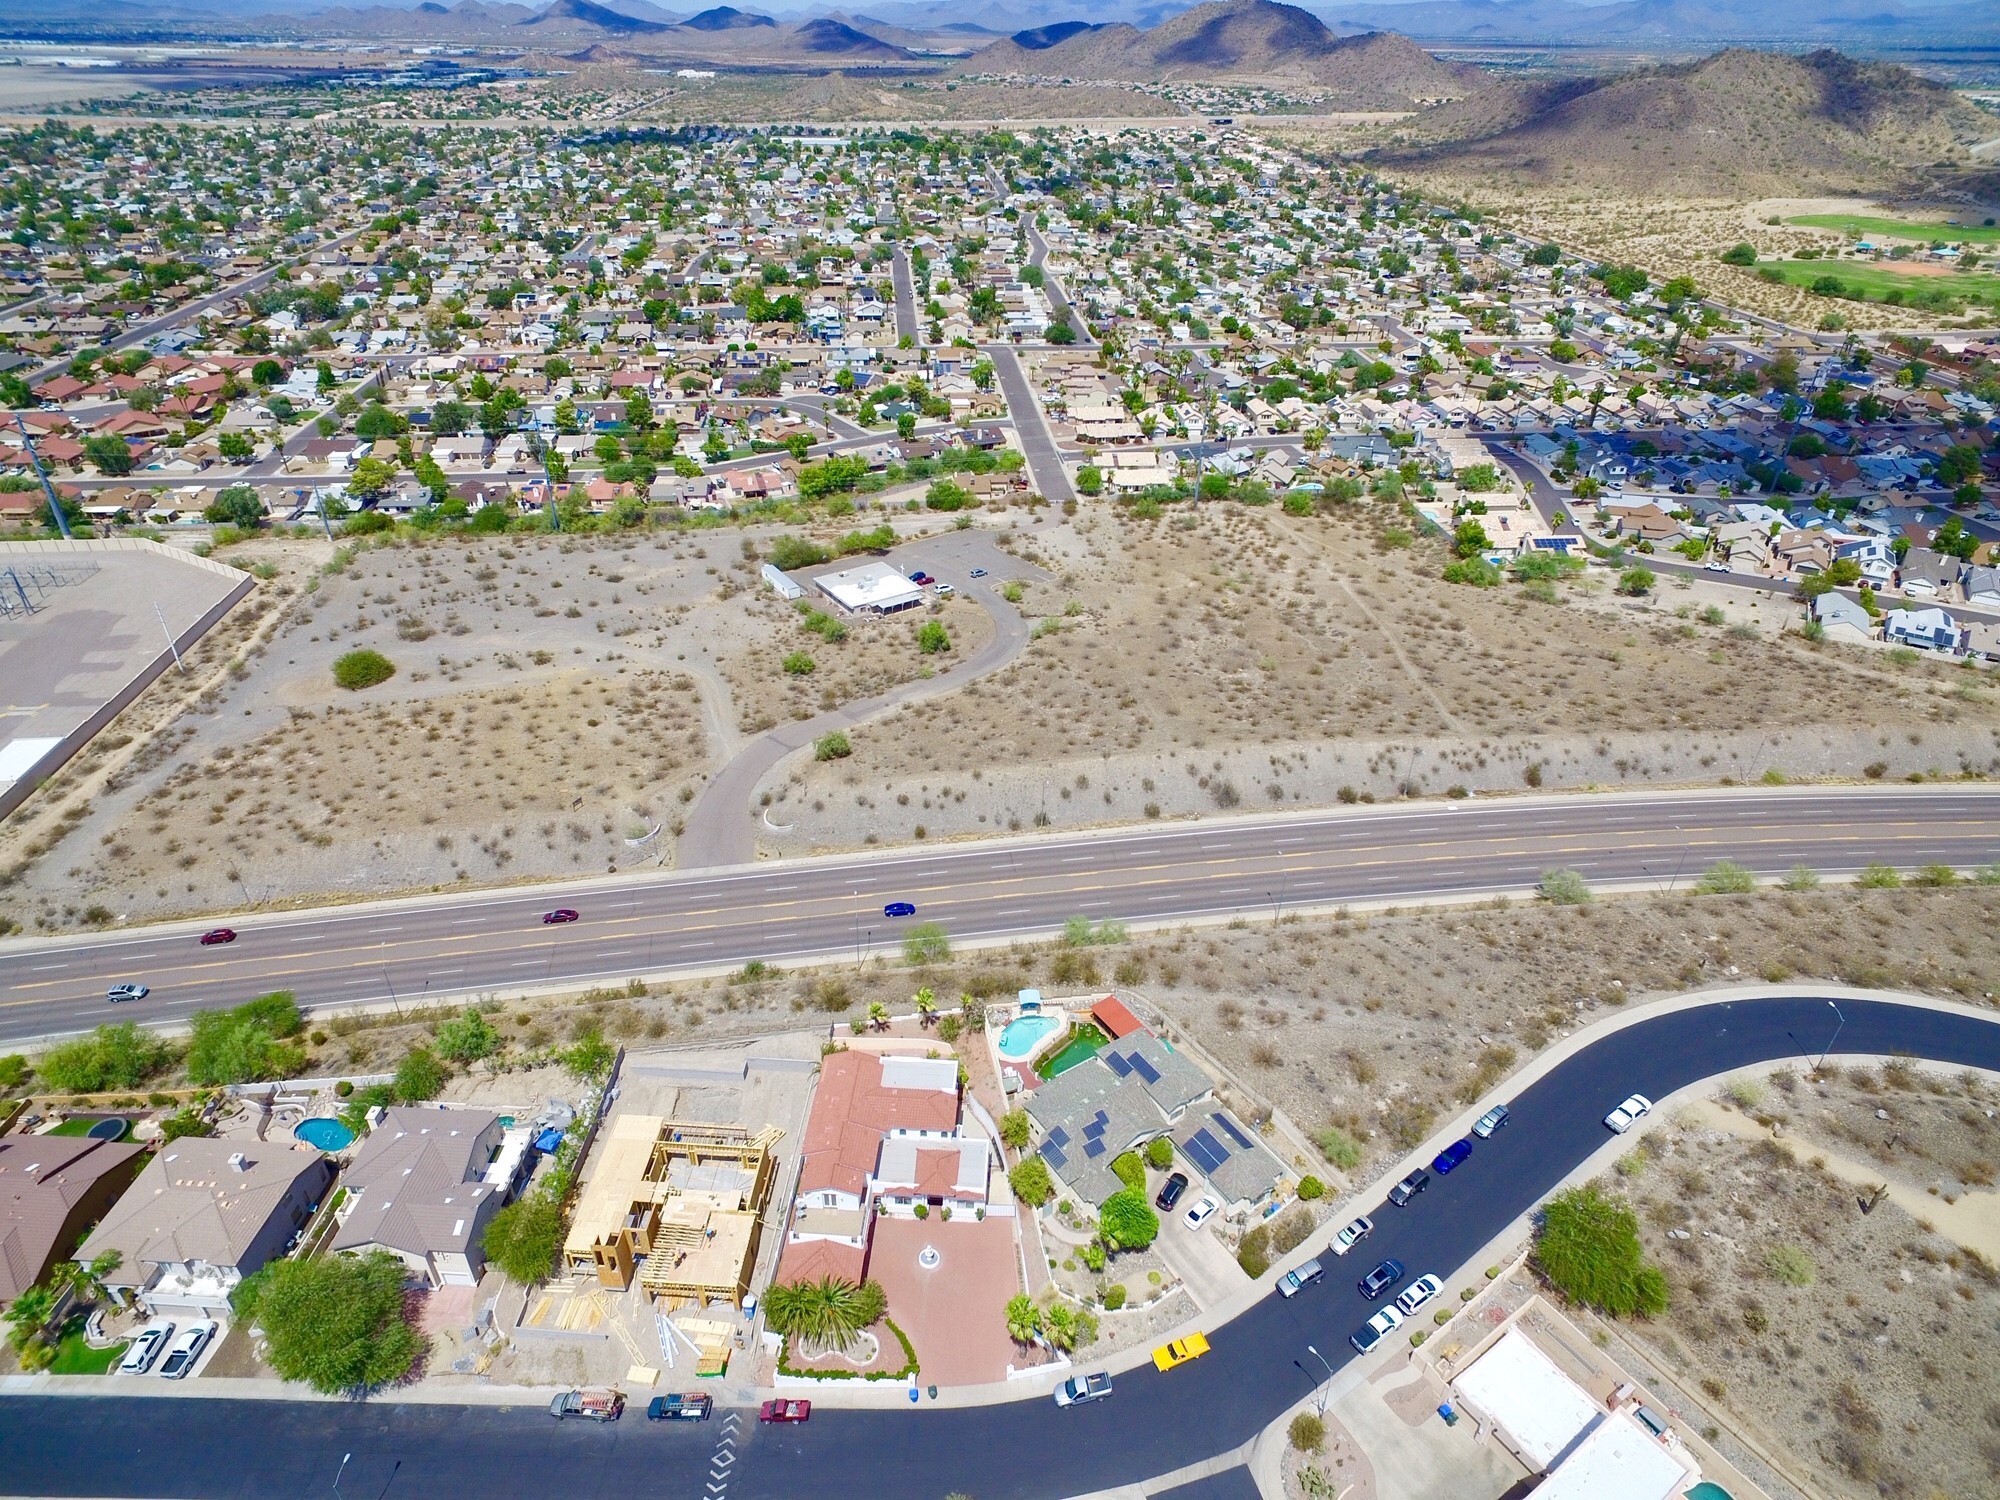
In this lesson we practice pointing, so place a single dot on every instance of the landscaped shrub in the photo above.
(1128, 1169)
(1253, 1254)
(1307, 1433)
(362, 669)
(1127, 1221)
(1311, 1188)
(1114, 1298)
(1031, 1181)
(1159, 1153)
(111, 1057)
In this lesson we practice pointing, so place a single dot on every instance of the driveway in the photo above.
(1198, 1257)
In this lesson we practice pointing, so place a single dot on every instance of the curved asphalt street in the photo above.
(465, 943)
(1023, 1450)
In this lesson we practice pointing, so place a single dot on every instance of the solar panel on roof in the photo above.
(1102, 1117)
(1206, 1153)
(1094, 1148)
(1144, 1069)
(1115, 1061)
(1059, 1137)
(1093, 1130)
(1052, 1154)
(1229, 1127)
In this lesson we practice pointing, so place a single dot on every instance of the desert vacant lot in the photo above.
(1860, 1341)
(1228, 655)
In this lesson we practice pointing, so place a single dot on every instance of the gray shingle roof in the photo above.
(415, 1182)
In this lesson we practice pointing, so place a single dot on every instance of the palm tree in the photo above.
(926, 1006)
(878, 1015)
(829, 1311)
(85, 1279)
(1024, 1321)
(973, 1013)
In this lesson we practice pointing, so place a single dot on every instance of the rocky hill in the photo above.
(1736, 124)
(1240, 39)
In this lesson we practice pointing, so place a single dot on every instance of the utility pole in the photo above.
(48, 490)
(172, 645)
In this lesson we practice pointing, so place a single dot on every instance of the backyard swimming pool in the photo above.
(1024, 1034)
(327, 1134)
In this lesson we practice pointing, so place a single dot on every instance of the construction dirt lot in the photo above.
(1227, 656)
(1857, 1342)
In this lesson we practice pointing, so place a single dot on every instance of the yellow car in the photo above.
(1180, 1351)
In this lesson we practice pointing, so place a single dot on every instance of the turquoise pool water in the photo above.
(1024, 1034)
(1708, 1491)
(328, 1135)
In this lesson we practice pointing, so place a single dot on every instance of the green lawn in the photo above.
(1902, 229)
(81, 1126)
(75, 1357)
(1864, 282)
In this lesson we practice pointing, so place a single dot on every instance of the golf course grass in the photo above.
(1860, 282)
(1903, 229)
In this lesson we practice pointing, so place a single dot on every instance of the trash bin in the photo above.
(1450, 1416)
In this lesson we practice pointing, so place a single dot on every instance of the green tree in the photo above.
(1127, 1221)
(588, 1059)
(1031, 1181)
(467, 1038)
(419, 1076)
(1636, 579)
(1587, 1247)
(109, 454)
(247, 1044)
(1741, 254)
(236, 506)
(1015, 1129)
(926, 943)
(336, 1322)
(371, 478)
(449, 418)
(1159, 1153)
(1090, 480)
(111, 1057)
(235, 446)
(522, 1239)
(932, 638)
(1470, 539)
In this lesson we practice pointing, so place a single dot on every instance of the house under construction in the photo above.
(678, 1203)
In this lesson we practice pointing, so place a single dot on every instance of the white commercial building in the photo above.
(872, 588)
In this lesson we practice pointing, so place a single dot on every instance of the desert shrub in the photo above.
(1339, 1148)
(833, 746)
(1789, 1264)
(467, 1038)
(419, 1076)
(1725, 878)
(362, 669)
(1307, 1433)
(926, 943)
(1879, 877)
(111, 1057)
(1564, 888)
(248, 1044)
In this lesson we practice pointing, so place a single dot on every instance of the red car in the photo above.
(560, 914)
(219, 935)
(785, 1411)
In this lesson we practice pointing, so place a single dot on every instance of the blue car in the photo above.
(900, 909)
(1451, 1157)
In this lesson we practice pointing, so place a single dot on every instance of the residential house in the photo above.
(1744, 545)
(424, 1186)
(53, 1188)
(203, 1215)
(1842, 619)
(1981, 584)
(1929, 629)
(1930, 575)
(1802, 552)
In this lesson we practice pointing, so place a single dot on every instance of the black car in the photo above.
(1409, 1187)
(1171, 1193)
(1379, 1280)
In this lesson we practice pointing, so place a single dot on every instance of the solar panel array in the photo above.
(1144, 1069)
(1115, 1061)
(1229, 1126)
(1206, 1154)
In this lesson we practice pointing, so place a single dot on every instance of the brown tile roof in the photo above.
(42, 1180)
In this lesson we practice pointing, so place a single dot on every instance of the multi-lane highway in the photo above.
(469, 943)
(1027, 1449)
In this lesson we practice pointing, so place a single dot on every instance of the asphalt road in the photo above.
(907, 326)
(1153, 1424)
(1030, 424)
(649, 924)
(1058, 298)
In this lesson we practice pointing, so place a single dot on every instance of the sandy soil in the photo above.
(1237, 656)
(1859, 1339)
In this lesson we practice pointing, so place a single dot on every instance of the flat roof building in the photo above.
(873, 588)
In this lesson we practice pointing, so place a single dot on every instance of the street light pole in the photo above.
(338, 1472)
(1320, 1395)
(1841, 1023)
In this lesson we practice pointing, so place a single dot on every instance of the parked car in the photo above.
(945, 591)
(679, 1407)
(1170, 1193)
(593, 1404)
(1180, 1351)
(1628, 1114)
(1353, 1234)
(127, 992)
(1379, 1280)
(785, 1411)
(1451, 1158)
(1418, 1293)
(1492, 1120)
(1376, 1329)
(186, 1350)
(559, 915)
(1081, 1388)
(218, 935)
(900, 909)
(1203, 1210)
(1409, 1187)
(1294, 1280)
(146, 1347)
(920, 578)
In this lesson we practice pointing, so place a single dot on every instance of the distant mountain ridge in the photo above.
(1675, 23)
(1246, 39)
(1735, 124)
